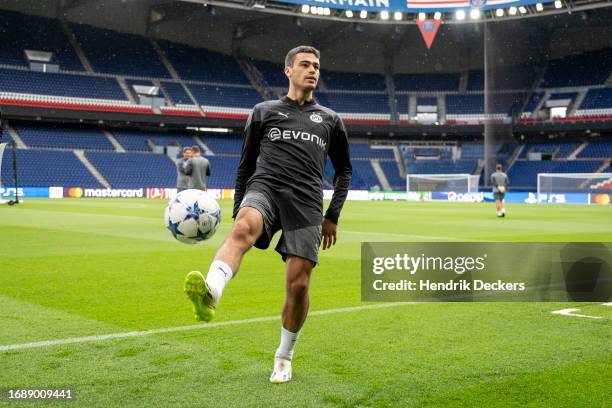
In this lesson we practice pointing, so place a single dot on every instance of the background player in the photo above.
(182, 178)
(279, 187)
(499, 180)
(198, 169)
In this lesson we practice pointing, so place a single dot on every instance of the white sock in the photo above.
(218, 275)
(287, 344)
(503, 210)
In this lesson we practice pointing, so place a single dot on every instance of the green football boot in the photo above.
(198, 292)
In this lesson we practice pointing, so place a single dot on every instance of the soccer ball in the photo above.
(192, 216)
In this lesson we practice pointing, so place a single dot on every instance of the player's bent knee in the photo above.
(244, 233)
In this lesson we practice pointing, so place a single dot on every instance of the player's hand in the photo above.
(328, 228)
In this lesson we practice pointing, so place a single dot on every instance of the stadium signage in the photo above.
(113, 193)
(413, 6)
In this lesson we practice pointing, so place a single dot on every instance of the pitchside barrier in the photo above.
(512, 197)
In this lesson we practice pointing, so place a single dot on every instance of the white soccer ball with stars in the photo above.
(192, 216)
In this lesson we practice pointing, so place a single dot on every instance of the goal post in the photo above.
(459, 183)
(8, 173)
(560, 183)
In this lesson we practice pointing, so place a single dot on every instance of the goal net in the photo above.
(559, 183)
(459, 183)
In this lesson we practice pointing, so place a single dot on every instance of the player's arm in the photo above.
(208, 169)
(340, 158)
(248, 158)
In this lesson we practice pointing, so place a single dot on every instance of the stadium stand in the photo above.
(133, 140)
(597, 149)
(272, 72)
(177, 93)
(63, 137)
(25, 32)
(590, 68)
(135, 170)
(353, 81)
(48, 168)
(55, 84)
(223, 144)
(558, 150)
(524, 173)
(392, 174)
(427, 82)
(112, 52)
(440, 166)
(364, 151)
(356, 103)
(226, 96)
(199, 64)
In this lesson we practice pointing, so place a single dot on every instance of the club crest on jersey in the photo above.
(316, 118)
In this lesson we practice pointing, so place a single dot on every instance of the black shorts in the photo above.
(303, 242)
(499, 195)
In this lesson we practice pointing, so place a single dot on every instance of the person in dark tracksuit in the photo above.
(182, 178)
(279, 188)
(198, 169)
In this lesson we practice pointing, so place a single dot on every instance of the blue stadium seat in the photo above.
(597, 99)
(226, 96)
(119, 53)
(272, 72)
(558, 150)
(223, 144)
(364, 151)
(177, 93)
(199, 64)
(391, 170)
(353, 81)
(464, 166)
(590, 68)
(427, 82)
(135, 170)
(472, 151)
(21, 32)
(597, 149)
(134, 140)
(464, 104)
(39, 168)
(78, 86)
(63, 137)
(524, 173)
(356, 103)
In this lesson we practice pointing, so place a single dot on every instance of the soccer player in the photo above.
(198, 168)
(182, 178)
(499, 180)
(279, 187)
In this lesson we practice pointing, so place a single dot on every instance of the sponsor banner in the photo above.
(601, 198)
(412, 5)
(24, 192)
(78, 192)
(490, 271)
(516, 197)
(399, 195)
(161, 193)
(353, 195)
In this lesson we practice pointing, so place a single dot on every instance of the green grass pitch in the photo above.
(73, 268)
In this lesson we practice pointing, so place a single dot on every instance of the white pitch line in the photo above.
(103, 337)
(570, 312)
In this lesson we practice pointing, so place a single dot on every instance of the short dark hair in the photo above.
(498, 167)
(195, 149)
(302, 48)
(186, 148)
